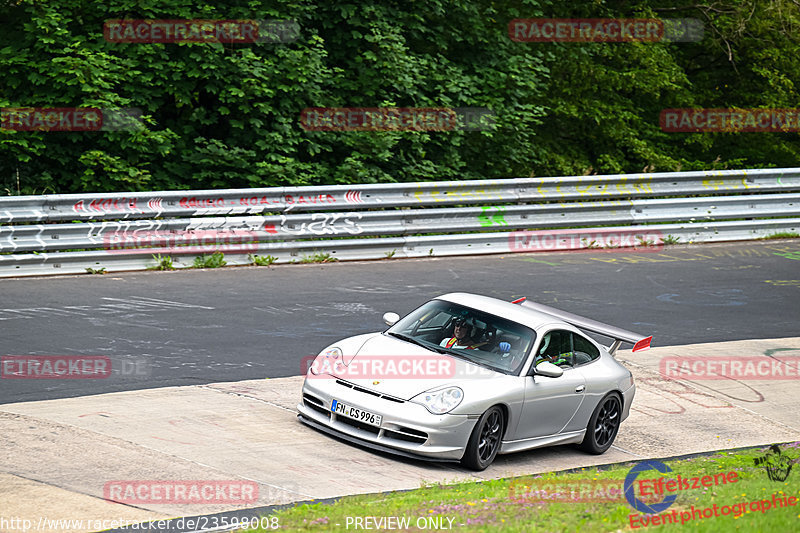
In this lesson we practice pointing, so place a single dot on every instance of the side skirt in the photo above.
(540, 442)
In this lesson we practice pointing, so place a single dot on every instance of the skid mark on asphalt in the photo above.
(133, 304)
(713, 298)
(386, 290)
(249, 393)
(672, 255)
(679, 396)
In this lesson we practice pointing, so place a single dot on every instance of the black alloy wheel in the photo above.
(603, 426)
(484, 442)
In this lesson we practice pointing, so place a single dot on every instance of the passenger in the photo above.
(461, 339)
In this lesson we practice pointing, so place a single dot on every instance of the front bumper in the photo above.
(406, 427)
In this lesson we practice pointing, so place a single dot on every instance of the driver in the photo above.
(461, 338)
(550, 352)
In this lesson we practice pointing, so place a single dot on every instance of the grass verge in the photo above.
(586, 500)
(782, 235)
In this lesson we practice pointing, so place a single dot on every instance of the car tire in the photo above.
(485, 440)
(604, 425)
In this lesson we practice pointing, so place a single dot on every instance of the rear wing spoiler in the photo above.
(640, 342)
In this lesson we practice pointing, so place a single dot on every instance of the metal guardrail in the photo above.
(51, 208)
(388, 220)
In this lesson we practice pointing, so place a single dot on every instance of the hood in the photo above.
(388, 365)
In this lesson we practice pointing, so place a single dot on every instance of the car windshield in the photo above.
(476, 336)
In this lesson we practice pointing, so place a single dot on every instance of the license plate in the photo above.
(355, 413)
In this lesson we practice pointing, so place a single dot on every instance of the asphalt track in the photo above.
(58, 456)
(195, 327)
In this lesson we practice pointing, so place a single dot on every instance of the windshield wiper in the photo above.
(412, 340)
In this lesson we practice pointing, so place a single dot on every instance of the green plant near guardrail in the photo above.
(215, 260)
(162, 263)
(262, 260)
(318, 257)
(782, 235)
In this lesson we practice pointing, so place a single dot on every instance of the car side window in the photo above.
(556, 348)
(584, 350)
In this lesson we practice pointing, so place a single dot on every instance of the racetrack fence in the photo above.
(69, 233)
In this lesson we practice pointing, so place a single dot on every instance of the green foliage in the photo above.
(782, 235)
(227, 115)
(262, 260)
(318, 257)
(215, 260)
(641, 241)
(557, 501)
(162, 263)
(101, 270)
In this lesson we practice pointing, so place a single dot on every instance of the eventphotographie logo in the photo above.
(636, 502)
(776, 464)
(666, 490)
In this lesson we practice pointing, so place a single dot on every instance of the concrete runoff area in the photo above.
(59, 455)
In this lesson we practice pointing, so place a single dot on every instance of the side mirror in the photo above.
(390, 319)
(548, 370)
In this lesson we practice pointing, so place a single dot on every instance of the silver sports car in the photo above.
(465, 377)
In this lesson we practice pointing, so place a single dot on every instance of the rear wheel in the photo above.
(603, 426)
(484, 442)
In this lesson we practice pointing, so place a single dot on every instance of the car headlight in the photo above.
(327, 361)
(440, 401)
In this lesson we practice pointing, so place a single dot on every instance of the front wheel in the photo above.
(603, 426)
(484, 442)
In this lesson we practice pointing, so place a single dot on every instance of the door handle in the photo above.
(580, 388)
